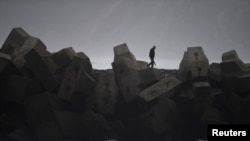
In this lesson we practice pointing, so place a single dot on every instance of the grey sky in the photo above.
(96, 26)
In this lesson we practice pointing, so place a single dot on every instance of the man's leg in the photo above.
(152, 62)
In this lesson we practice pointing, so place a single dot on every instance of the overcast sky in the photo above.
(96, 26)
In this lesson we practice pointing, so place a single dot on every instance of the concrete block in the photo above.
(127, 79)
(232, 66)
(87, 61)
(214, 73)
(106, 93)
(11, 119)
(162, 117)
(239, 109)
(247, 65)
(14, 41)
(211, 115)
(63, 57)
(62, 125)
(30, 43)
(126, 73)
(45, 113)
(202, 92)
(40, 108)
(149, 76)
(70, 124)
(141, 64)
(95, 124)
(6, 65)
(16, 89)
(23, 133)
(243, 82)
(164, 86)
(50, 64)
(229, 82)
(6, 69)
(194, 63)
(18, 43)
(5, 56)
(199, 71)
(230, 55)
(77, 86)
(41, 70)
(122, 51)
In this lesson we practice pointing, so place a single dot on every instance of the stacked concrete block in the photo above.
(243, 82)
(202, 92)
(234, 73)
(248, 65)
(126, 74)
(212, 115)
(95, 126)
(40, 107)
(14, 41)
(40, 114)
(214, 73)
(63, 125)
(5, 56)
(239, 109)
(86, 61)
(57, 97)
(231, 62)
(164, 86)
(232, 66)
(161, 118)
(149, 76)
(230, 55)
(106, 92)
(127, 79)
(23, 133)
(77, 86)
(194, 65)
(63, 57)
(20, 85)
(50, 63)
(6, 69)
(4, 61)
(11, 119)
(41, 69)
(122, 51)
(19, 43)
(30, 43)
(70, 124)
(141, 64)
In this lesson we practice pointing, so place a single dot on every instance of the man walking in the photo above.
(152, 56)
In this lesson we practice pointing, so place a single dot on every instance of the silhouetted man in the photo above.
(152, 56)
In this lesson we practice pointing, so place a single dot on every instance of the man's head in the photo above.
(154, 47)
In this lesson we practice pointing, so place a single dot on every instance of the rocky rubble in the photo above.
(60, 97)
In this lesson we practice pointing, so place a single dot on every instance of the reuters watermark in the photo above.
(218, 132)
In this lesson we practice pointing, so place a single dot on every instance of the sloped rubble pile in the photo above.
(59, 96)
